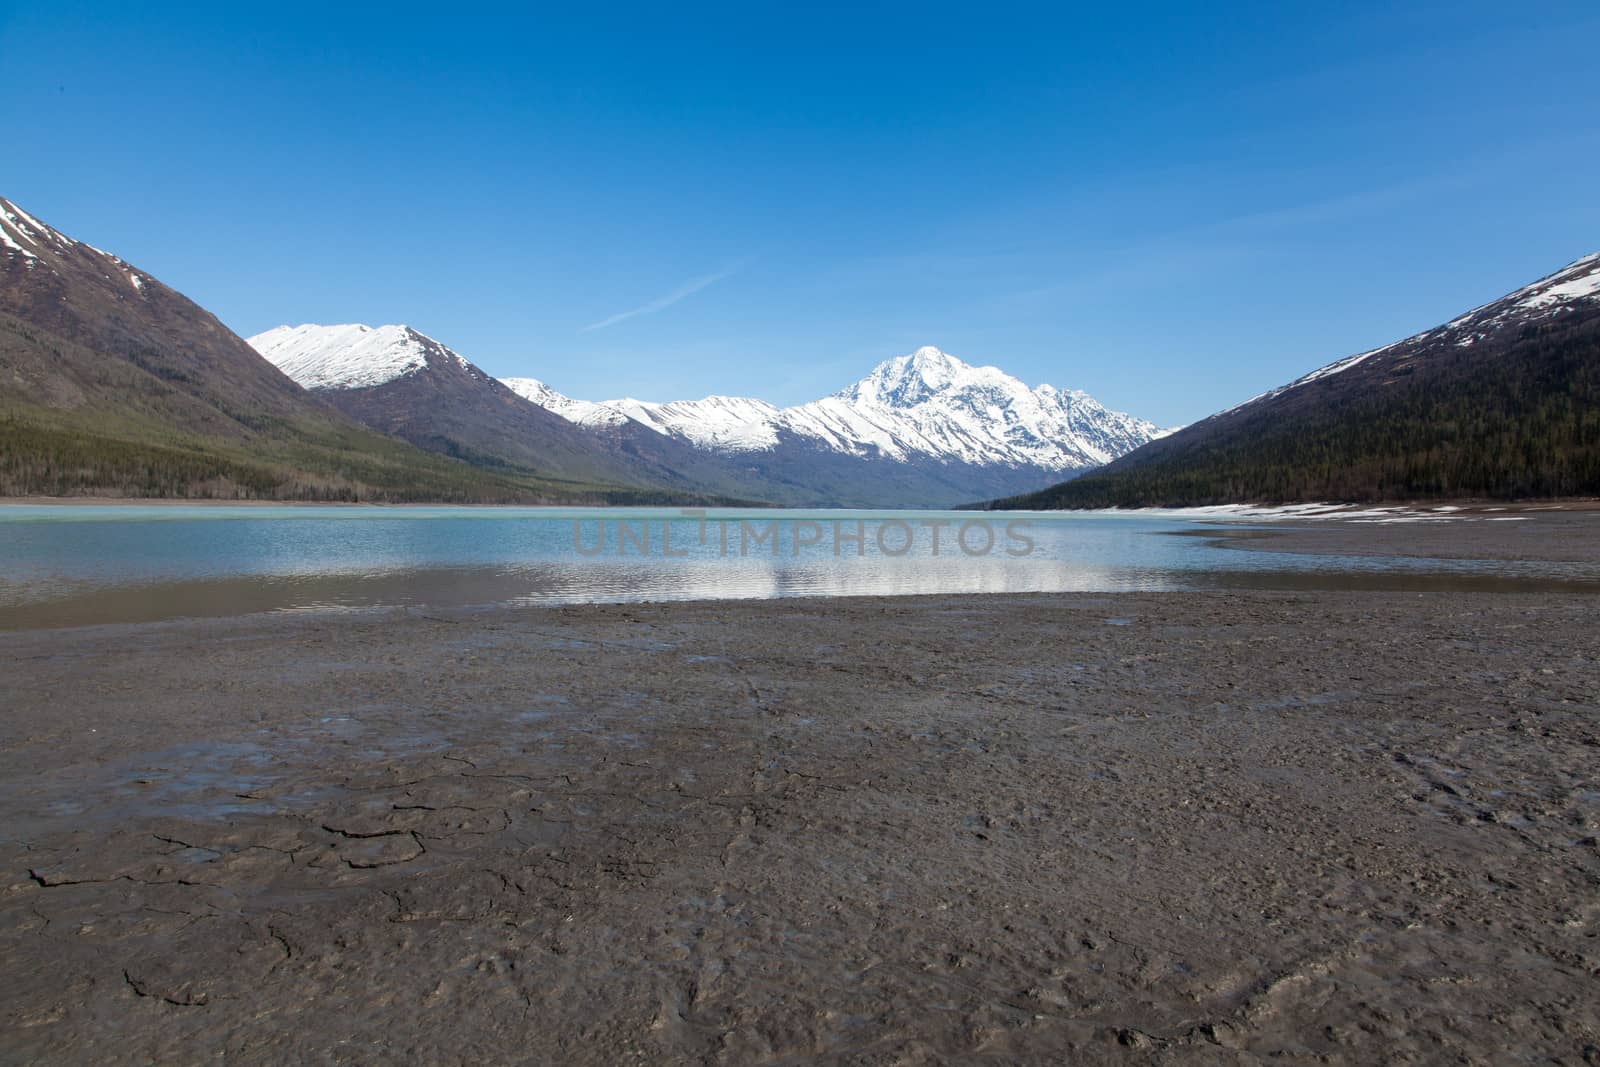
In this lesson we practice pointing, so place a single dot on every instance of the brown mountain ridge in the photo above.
(114, 384)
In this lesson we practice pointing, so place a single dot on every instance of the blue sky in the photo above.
(1171, 206)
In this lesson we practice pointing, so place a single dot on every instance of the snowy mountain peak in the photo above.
(905, 381)
(352, 355)
(926, 405)
(582, 412)
(931, 364)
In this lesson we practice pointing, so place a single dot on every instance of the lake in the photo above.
(76, 564)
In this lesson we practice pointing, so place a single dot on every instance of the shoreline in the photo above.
(1549, 535)
(1465, 506)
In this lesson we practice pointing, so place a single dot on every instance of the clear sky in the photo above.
(1171, 206)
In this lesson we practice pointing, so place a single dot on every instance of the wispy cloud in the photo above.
(687, 289)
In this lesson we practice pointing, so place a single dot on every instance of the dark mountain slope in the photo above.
(1503, 402)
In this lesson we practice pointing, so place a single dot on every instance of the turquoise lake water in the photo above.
(71, 564)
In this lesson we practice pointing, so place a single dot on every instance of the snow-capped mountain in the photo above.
(923, 429)
(926, 405)
(406, 384)
(350, 356)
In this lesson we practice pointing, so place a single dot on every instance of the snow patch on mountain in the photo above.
(1573, 282)
(10, 242)
(24, 227)
(39, 229)
(17, 226)
(1576, 280)
(350, 356)
(582, 412)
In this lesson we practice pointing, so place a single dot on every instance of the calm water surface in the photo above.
(64, 565)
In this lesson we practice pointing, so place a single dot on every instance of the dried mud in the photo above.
(1327, 827)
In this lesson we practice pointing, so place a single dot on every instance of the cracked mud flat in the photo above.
(1334, 827)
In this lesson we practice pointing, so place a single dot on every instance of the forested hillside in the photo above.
(1501, 403)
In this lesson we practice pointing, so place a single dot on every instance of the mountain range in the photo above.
(925, 429)
(1502, 401)
(112, 383)
(926, 404)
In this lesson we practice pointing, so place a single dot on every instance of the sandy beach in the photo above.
(1342, 827)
